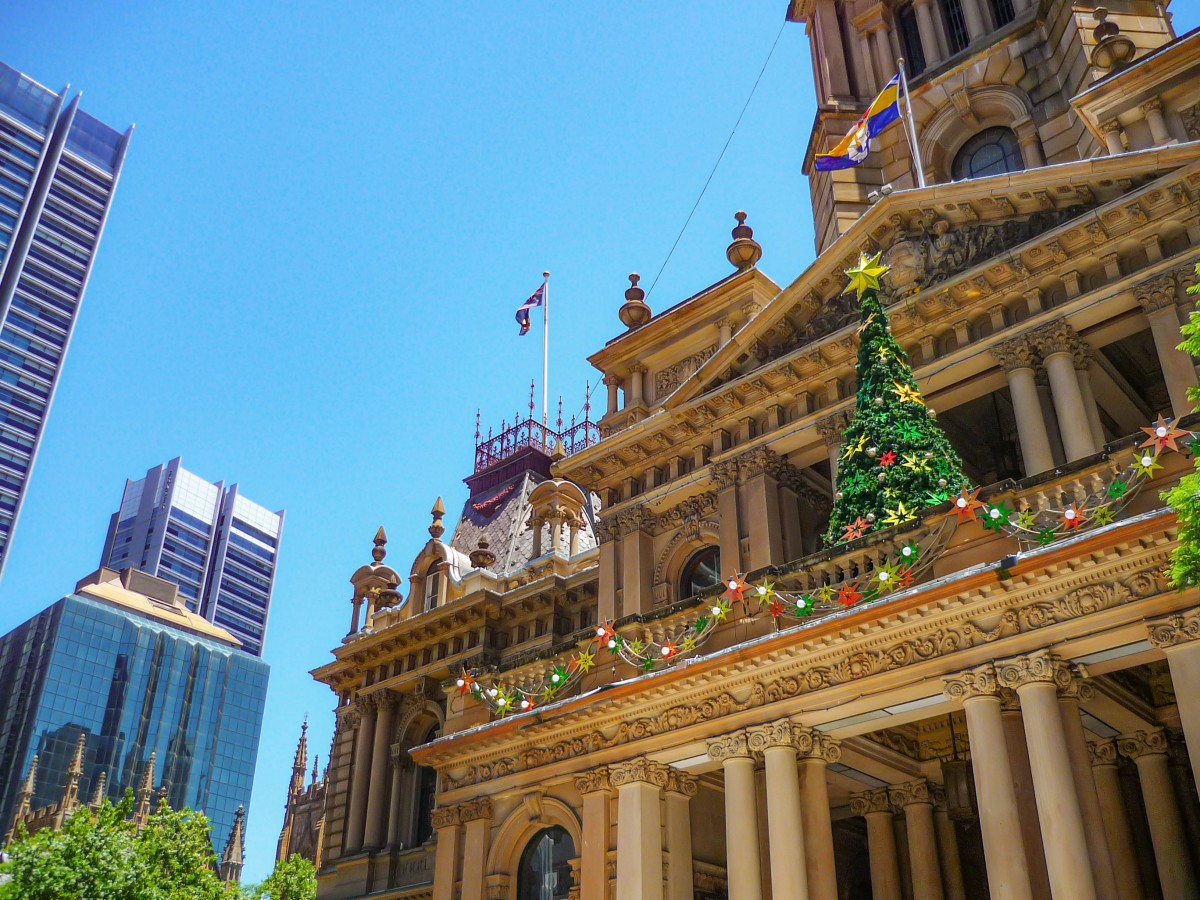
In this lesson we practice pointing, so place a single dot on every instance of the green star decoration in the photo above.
(700, 624)
(1025, 519)
(1102, 515)
(1045, 536)
(995, 517)
(1117, 489)
(648, 664)
(636, 647)
(865, 276)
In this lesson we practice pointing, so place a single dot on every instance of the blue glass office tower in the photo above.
(220, 548)
(122, 662)
(58, 170)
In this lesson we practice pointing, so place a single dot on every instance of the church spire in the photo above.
(24, 800)
(145, 790)
(70, 794)
(300, 763)
(232, 857)
(101, 790)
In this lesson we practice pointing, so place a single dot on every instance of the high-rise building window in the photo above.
(956, 25)
(910, 37)
(433, 587)
(1002, 12)
(993, 151)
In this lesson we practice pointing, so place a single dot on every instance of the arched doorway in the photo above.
(545, 870)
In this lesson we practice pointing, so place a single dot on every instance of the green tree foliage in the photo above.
(293, 879)
(101, 855)
(1184, 498)
(895, 457)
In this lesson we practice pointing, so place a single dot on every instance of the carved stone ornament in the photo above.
(979, 682)
(639, 770)
(444, 817)
(1157, 292)
(681, 782)
(1180, 628)
(1103, 752)
(1054, 337)
(812, 744)
(595, 780)
(1191, 121)
(776, 734)
(831, 428)
(735, 745)
(1142, 743)
(1018, 353)
(909, 792)
(666, 380)
(475, 809)
(876, 801)
(1040, 667)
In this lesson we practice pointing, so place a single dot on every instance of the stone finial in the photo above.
(437, 529)
(744, 252)
(378, 552)
(482, 556)
(1113, 50)
(233, 857)
(100, 791)
(634, 312)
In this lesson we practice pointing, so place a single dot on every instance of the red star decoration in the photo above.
(467, 681)
(776, 608)
(904, 577)
(736, 587)
(1162, 434)
(856, 529)
(848, 595)
(966, 503)
(887, 459)
(1071, 517)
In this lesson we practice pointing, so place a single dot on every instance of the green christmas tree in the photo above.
(895, 458)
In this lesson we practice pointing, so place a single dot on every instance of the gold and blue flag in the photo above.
(852, 149)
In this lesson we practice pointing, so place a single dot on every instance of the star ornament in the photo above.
(865, 276)
(848, 595)
(907, 394)
(888, 459)
(856, 529)
(1162, 434)
(736, 587)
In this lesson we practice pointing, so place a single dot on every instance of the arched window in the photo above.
(545, 872)
(910, 38)
(433, 586)
(426, 791)
(700, 572)
(993, 151)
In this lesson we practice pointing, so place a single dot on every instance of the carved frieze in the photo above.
(666, 380)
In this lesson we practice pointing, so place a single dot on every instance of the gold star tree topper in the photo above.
(865, 276)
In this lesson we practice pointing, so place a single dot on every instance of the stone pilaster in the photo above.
(596, 789)
(639, 783)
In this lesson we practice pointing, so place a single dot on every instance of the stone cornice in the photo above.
(1181, 628)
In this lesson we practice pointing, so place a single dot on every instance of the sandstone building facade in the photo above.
(1022, 720)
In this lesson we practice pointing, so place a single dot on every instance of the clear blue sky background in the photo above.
(327, 218)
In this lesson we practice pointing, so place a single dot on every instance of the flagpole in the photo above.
(545, 346)
(911, 129)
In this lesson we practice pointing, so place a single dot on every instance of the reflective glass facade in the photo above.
(133, 686)
(58, 170)
(220, 548)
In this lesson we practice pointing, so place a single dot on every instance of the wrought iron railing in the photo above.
(531, 433)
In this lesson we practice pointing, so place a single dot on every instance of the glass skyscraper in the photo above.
(58, 170)
(220, 548)
(122, 662)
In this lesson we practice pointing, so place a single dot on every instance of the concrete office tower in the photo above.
(58, 171)
(219, 547)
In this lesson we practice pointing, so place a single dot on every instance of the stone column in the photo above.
(445, 860)
(1085, 785)
(831, 429)
(639, 785)
(1030, 142)
(1046, 401)
(1008, 872)
(360, 774)
(777, 743)
(816, 751)
(1057, 343)
(725, 329)
(378, 793)
(883, 52)
(1178, 636)
(1153, 111)
(829, 49)
(1157, 297)
(613, 383)
(1018, 360)
(1083, 371)
(973, 13)
(1116, 821)
(637, 394)
(929, 44)
(597, 795)
(1148, 749)
(400, 762)
(865, 66)
(947, 839)
(914, 799)
(1112, 137)
(680, 790)
(476, 817)
(1022, 776)
(1036, 679)
(762, 470)
(741, 816)
(876, 807)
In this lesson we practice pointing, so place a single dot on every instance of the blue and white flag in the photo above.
(535, 299)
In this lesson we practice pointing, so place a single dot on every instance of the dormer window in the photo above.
(433, 587)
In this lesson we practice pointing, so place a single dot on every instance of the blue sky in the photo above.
(327, 218)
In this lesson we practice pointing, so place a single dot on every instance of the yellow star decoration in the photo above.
(905, 393)
(585, 660)
(852, 448)
(867, 323)
(900, 514)
(885, 352)
(865, 276)
(916, 463)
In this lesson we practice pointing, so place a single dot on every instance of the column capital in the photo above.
(1153, 105)
(875, 801)
(813, 744)
(1157, 292)
(910, 792)
(734, 745)
(639, 770)
(1103, 752)
(1083, 356)
(776, 734)
(1054, 337)
(637, 369)
(595, 780)
(1014, 354)
(444, 817)
(1112, 126)
(978, 682)
(472, 810)
(1143, 743)
(612, 380)
(1040, 667)
(1176, 629)
(727, 322)
(680, 782)
(831, 428)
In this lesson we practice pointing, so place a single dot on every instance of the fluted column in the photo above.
(1157, 297)
(816, 751)
(360, 775)
(876, 807)
(476, 818)
(1057, 343)
(639, 785)
(1085, 784)
(597, 795)
(446, 854)
(1107, 776)
(741, 816)
(914, 798)
(929, 43)
(947, 839)
(777, 743)
(1148, 750)
(1036, 679)
(378, 793)
(1018, 360)
(1178, 636)
(680, 790)
(1008, 872)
